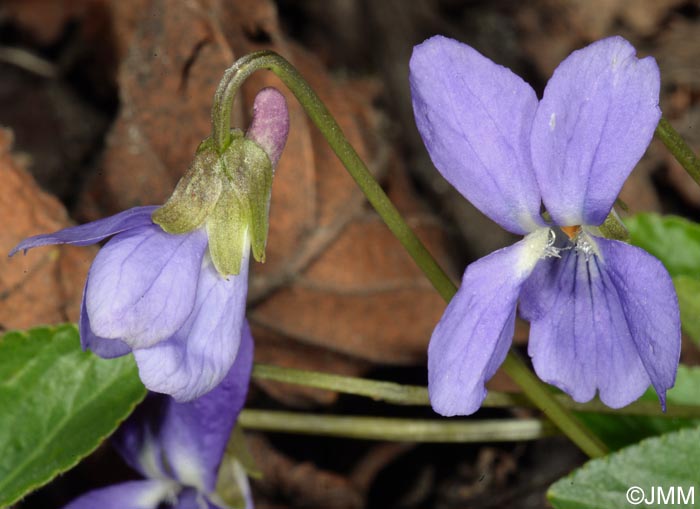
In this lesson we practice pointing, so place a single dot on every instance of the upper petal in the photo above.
(142, 284)
(198, 356)
(475, 118)
(607, 322)
(472, 338)
(93, 232)
(595, 121)
(128, 495)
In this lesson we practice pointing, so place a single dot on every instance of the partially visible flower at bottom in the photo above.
(178, 447)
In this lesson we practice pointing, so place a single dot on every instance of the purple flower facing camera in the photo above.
(603, 314)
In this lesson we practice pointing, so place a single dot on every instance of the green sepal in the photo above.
(688, 291)
(614, 228)
(237, 448)
(250, 170)
(195, 195)
(237, 462)
(227, 229)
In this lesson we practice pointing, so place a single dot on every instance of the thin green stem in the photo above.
(680, 150)
(321, 117)
(398, 430)
(389, 392)
(221, 113)
(400, 394)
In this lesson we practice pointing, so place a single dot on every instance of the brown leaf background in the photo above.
(337, 293)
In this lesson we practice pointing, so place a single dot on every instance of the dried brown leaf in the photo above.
(45, 286)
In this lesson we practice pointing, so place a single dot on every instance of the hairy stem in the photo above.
(680, 150)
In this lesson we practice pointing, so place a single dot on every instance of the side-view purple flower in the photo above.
(603, 314)
(177, 300)
(178, 447)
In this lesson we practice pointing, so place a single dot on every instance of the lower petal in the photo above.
(128, 495)
(104, 347)
(473, 336)
(194, 434)
(650, 304)
(186, 441)
(137, 440)
(589, 316)
(192, 499)
(142, 285)
(199, 355)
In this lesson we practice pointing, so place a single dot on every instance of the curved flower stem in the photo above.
(221, 113)
(680, 150)
(398, 430)
(399, 394)
(321, 117)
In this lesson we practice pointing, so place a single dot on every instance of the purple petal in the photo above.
(650, 305)
(591, 320)
(475, 118)
(103, 347)
(91, 233)
(595, 121)
(191, 499)
(190, 437)
(270, 124)
(138, 439)
(194, 435)
(142, 285)
(198, 356)
(473, 336)
(578, 340)
(128, 495)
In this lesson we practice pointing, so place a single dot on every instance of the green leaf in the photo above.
(688, 291)
(673, 240)
(676, 242)
(58, 404)
(620, 430)
(670, 463)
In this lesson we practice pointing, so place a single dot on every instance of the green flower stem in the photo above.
(680, 150)
(319, 114)
(221, 122)
(398, 394)
(388, 392)
(398, 430)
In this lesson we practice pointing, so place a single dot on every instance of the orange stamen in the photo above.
(571, 231)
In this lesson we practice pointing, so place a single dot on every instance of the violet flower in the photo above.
(603, 314)
(178, 447)
(174, 293)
